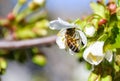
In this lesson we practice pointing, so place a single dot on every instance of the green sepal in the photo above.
(88, 66)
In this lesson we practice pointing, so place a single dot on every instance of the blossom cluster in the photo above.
(93, 53)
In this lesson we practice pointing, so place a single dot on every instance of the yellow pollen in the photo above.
(95, 58)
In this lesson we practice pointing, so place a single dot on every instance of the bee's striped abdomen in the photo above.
(71, 40)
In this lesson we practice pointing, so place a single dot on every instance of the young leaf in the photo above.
(98, 9)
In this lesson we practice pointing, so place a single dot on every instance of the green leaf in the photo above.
(113, 42)
(117, 41)
(98, 9)
(113, 38)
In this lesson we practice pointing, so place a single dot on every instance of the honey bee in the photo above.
(70, 36)
(73, 39)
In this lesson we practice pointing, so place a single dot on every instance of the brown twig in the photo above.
(27, 43)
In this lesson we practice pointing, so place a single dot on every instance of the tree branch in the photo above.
(27, 43)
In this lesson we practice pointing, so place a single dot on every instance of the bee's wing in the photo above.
(60, 24)
(78, 39)
(83, 37)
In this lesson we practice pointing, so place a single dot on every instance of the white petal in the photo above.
(94, 53)
(89, 31)
(109, 55)
(61, 39)
(86, 52)
(59, 24)
(83, 37)
(97, 48)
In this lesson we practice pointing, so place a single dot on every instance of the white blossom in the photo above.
(94, 53)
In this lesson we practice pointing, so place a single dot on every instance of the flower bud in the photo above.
(39, 60)
(11, 16)
(32, 6)
(35, 50)
(3, 65)
(90, 30)
(43, 32)
(102, 21)
(25, 34)
(35, 4)
(42, 24)
(112, 7)
(22, 1)
(40, 32)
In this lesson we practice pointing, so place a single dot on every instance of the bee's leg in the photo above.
(77, 39)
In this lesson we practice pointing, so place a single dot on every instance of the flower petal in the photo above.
(61, 39)
(83, 37)
(59, 24)
(94, 53)
(109, 55)
(95, 60)
(97, 48)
